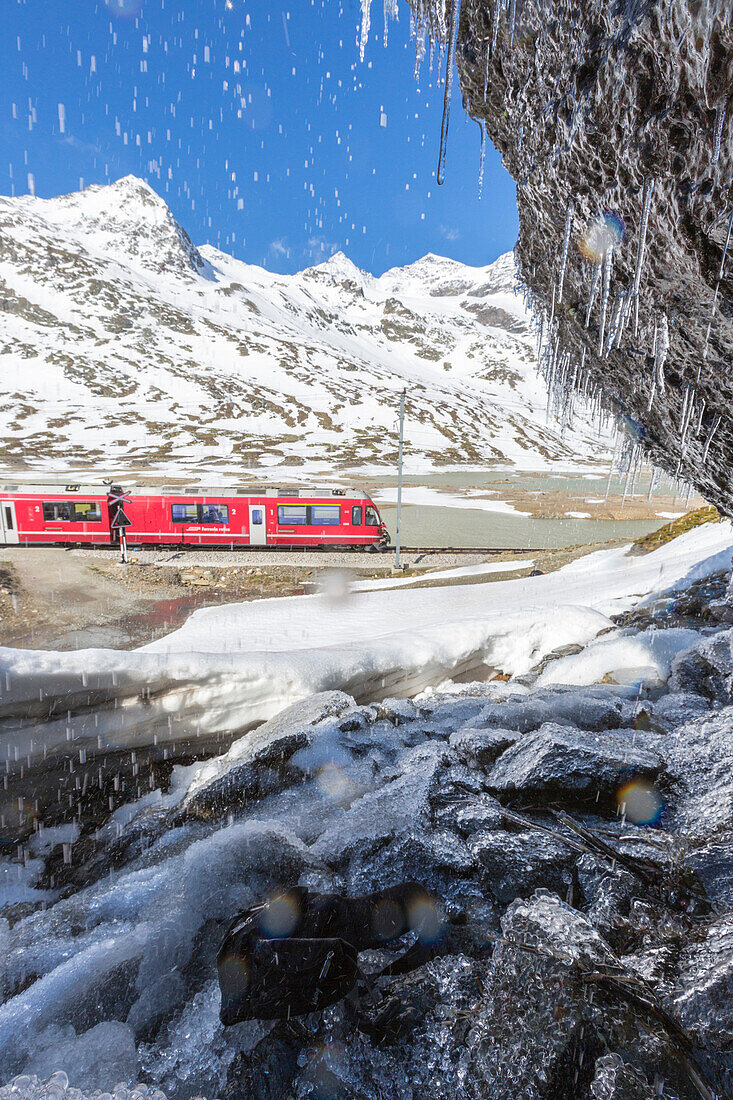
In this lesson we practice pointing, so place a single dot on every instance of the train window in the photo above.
(292, 513)
(372, 519)
(72, 511)
(214, 513)
(257, 517)
(356, 516)
(325, 513)
(185, 513)
(200, 513)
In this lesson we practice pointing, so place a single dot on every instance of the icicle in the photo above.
(646, 203)
(683, 414)
(725, 250)
(495, 27)
(565, 246)
(366, 7)
(552, 307)
(653, 482)
(481, 159)
(450, 60)
(626, 485)
(610, 472)
(539, 340)
(715, 296)
(390, 12)
(700, 416)
(512, 20)
(661, 347)
(607, 260)
(718, 133)
(709, 440)
(593, 291)
(615, 326)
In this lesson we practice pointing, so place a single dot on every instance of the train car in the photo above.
(253, 517)
(51, 514)
(88, 514)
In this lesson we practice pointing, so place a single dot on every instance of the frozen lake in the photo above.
(520, 510)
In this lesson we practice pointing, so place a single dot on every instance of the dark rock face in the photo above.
(560, 759)
(599, 112)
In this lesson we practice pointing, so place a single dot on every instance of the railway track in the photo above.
(377, 551)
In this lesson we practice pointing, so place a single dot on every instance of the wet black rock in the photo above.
(562, 760)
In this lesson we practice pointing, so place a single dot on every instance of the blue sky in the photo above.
(256, 121)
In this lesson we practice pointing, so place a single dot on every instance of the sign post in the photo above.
(399, 480)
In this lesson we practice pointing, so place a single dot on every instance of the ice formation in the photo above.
(626, 111)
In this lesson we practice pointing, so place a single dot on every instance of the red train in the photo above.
(95, 514)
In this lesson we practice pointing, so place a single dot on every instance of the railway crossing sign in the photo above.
(121, 519)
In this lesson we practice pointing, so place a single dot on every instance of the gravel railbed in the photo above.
(248, 558)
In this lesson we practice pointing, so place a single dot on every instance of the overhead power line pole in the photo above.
(399, 478)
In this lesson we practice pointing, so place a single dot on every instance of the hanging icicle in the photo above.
(718, 132)
(366, 9)
(487, 58)
(715, 296)
(607, 261)
(565, 246)
(390, 12)
(450, 60)
(593, 291)
(641, 246)
(495, 27)
(709, 440)
(661, 347)
(482, 155)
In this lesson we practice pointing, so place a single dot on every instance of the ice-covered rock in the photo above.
(516, 864)
(591, 709)
(101, 1056)
(615, 1079)
(481, 746)
(699, 758)
(678, 707)
(399, 807)
(257, 763)
(478, 815)
(713, 865)
(707, 668)
(560, 759)
(702, 1000)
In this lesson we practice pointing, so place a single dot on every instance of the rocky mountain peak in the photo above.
(125, 220)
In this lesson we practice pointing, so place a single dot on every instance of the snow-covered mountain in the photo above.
(123, 344)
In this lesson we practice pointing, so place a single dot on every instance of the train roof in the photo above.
(102, 488)
(55, 488)
(245, 491)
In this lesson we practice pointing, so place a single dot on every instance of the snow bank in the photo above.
(229, 668)
(632, 658)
